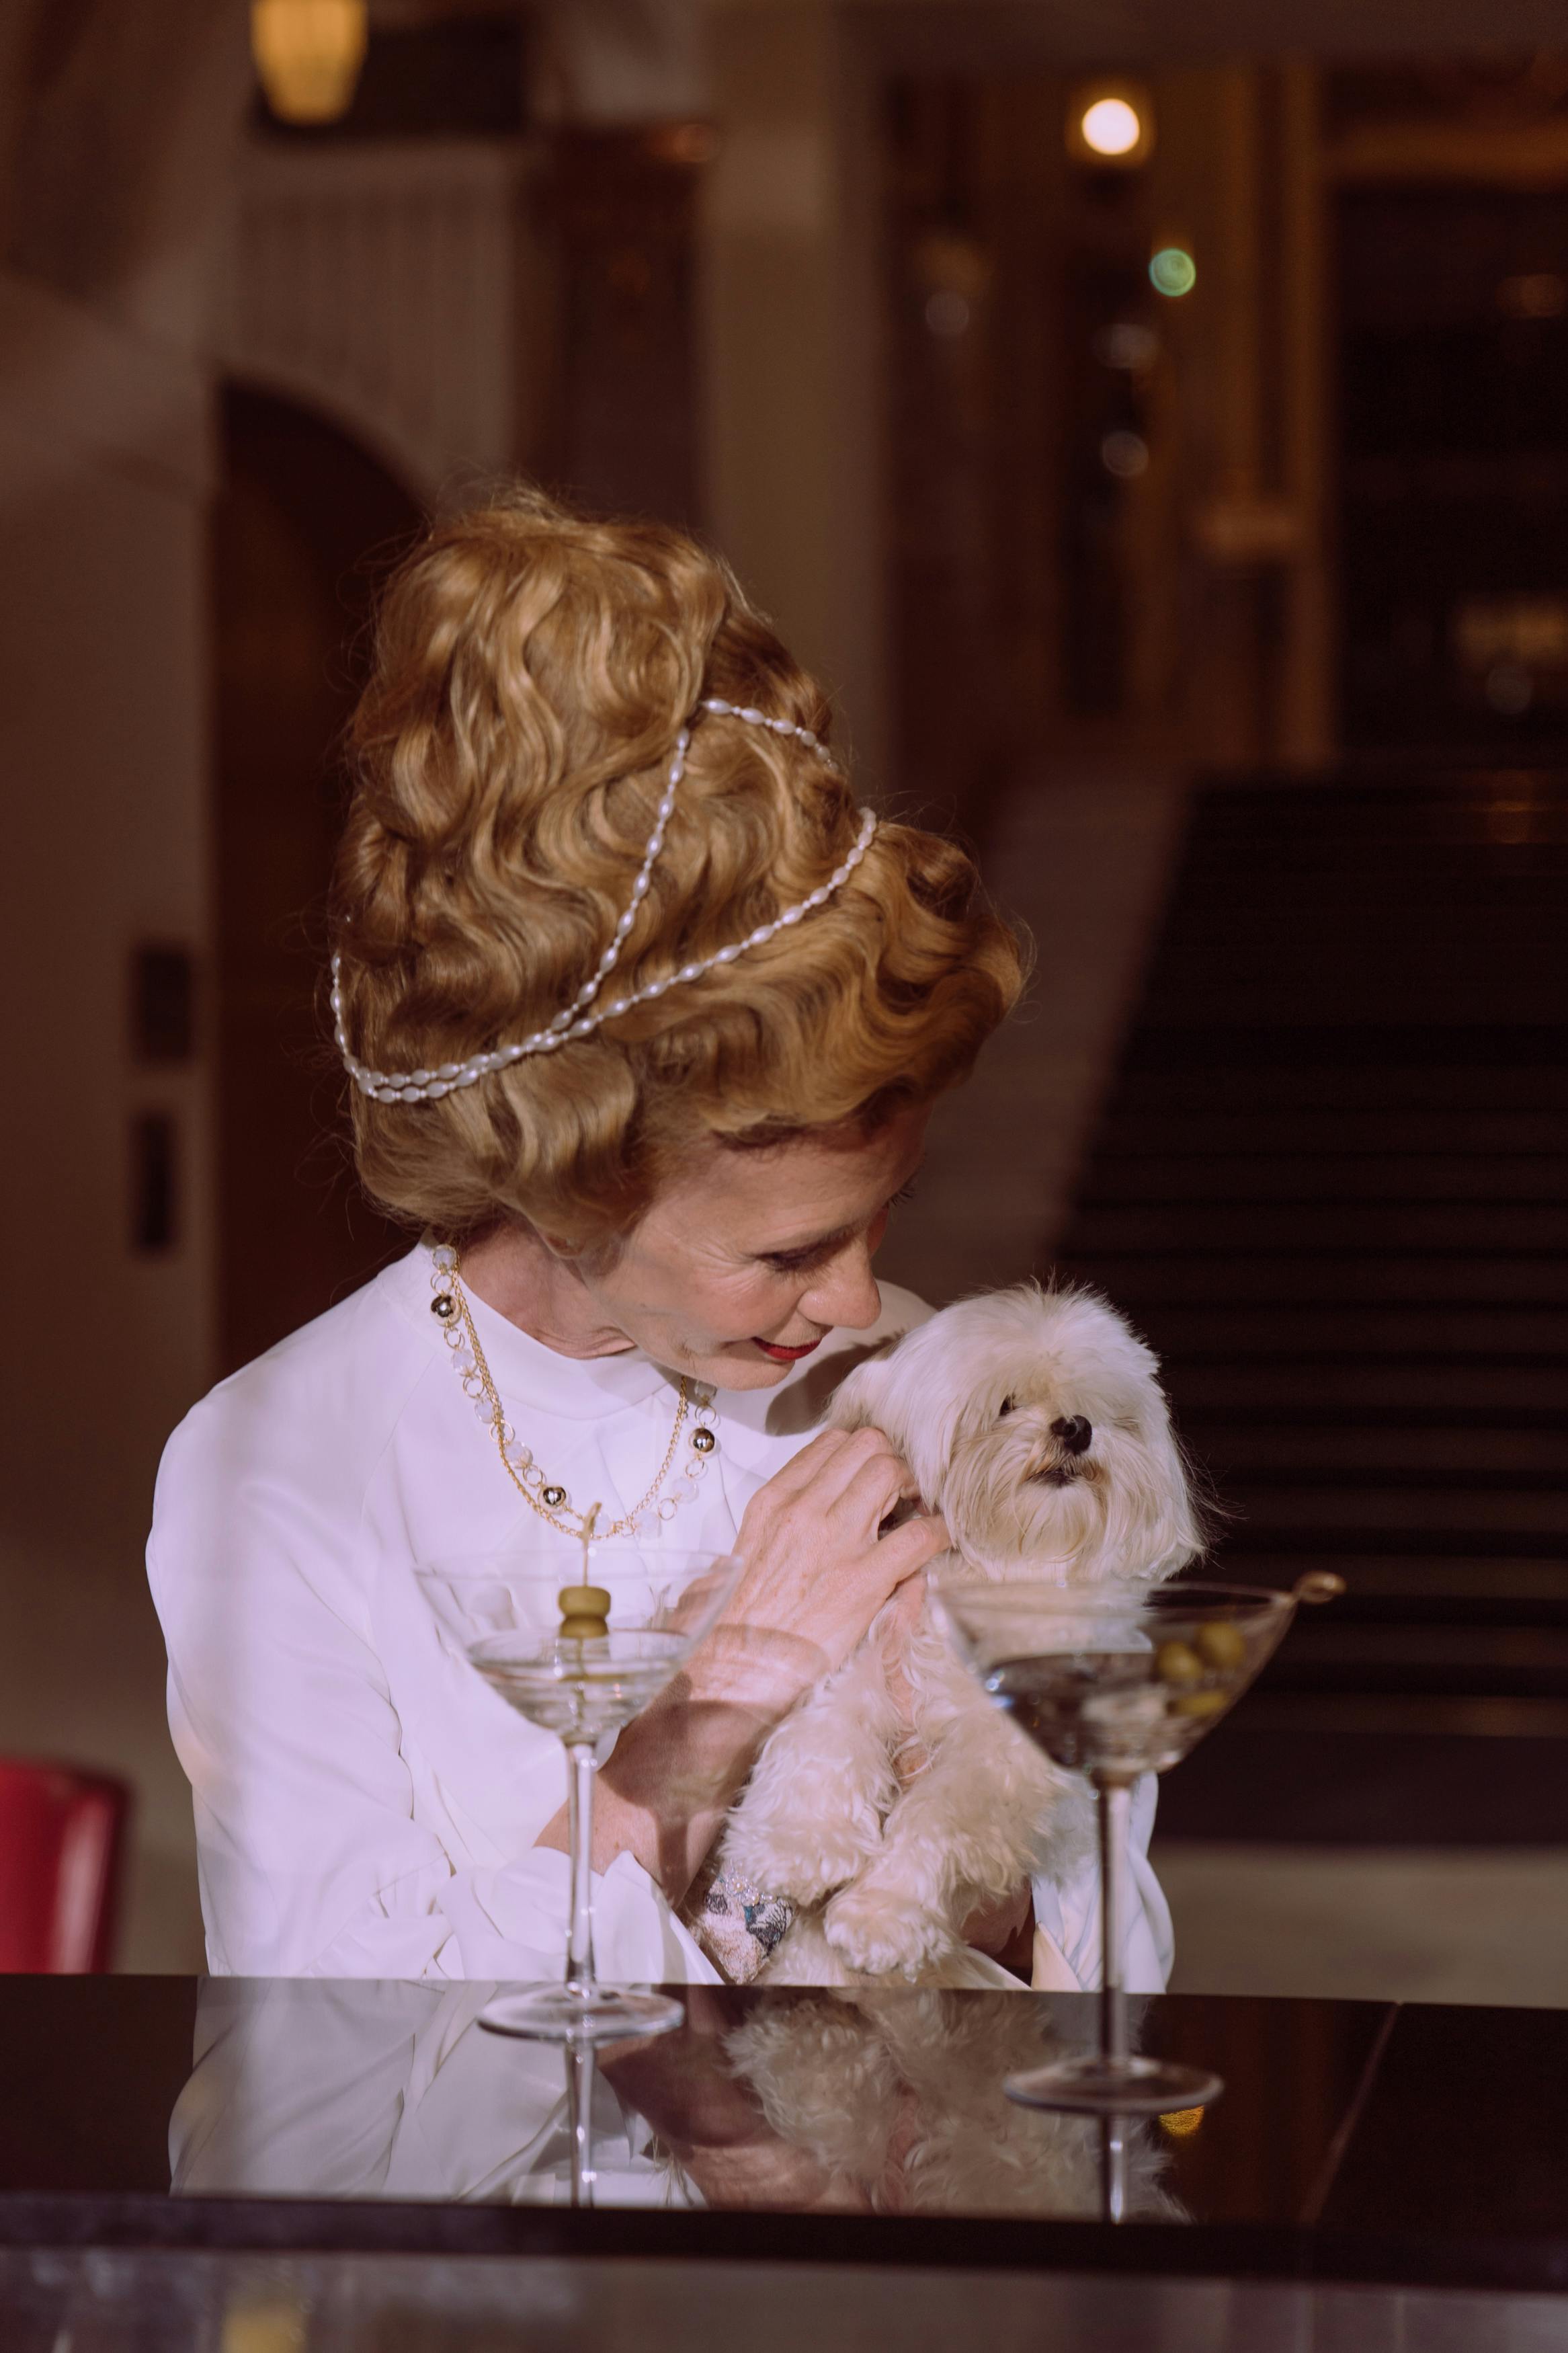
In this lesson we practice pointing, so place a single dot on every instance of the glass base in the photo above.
(1094, 2087)
(580, 2014)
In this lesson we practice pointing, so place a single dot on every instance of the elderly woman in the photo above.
(644, 1019)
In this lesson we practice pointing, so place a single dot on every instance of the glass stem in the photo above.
(582, 1765)
(1115, 1815)
(579, 2119)
(1113, 2131)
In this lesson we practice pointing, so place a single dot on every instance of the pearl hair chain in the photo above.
(576, 1019)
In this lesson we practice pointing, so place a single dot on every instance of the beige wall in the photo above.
(791, 303)
(113, 152)
(103, 477)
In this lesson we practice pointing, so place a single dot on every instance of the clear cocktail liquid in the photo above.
(1108, 1711)
(579, 1691)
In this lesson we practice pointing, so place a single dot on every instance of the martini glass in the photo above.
(579, 1637)
(1116, 1683)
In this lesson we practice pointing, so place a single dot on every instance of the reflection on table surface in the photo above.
(1354, 2140)
(859, 2102)
(131, 2300)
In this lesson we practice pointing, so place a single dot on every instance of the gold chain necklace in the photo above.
(542, 1495)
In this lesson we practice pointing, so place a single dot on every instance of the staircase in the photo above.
(1331, 1188)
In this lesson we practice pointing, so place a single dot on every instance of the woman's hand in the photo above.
(816, 1571)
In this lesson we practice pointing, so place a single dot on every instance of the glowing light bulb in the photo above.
(307, 55)
(1173, 271)
(1110, 127)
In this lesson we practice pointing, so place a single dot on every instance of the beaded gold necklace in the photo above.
(542, 1495)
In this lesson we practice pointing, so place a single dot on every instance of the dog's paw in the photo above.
(806, 1865)
(878, 1930)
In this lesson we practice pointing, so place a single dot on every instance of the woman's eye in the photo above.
(1006, 1406)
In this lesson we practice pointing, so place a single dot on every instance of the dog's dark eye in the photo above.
(1006, 1406)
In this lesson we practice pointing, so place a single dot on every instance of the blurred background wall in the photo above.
(1153, 423)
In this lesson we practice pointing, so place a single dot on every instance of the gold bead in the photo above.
(444, 1306)
(555, 1497)
(703, 1440)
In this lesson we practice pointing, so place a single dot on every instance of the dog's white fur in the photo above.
(896, 1800)
(900, 2095)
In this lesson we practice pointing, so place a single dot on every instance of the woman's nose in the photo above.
(1074, 1433)
(844, 1293)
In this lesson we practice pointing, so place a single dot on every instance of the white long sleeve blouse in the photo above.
(365, 1805)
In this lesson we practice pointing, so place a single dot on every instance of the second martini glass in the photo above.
(579, 1638)
(1114, 1685)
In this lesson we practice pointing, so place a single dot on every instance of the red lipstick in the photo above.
(786, 1355)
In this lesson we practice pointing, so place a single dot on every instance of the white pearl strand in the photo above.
(575, 1021)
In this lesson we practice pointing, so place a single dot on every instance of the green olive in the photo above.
(1222, 1644)
(584, 1612)
(1177, 1662)
(1202, 1703)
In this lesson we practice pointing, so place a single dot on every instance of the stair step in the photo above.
(1339, 1770)
(1340, 893)
(1224, 1228)
(1294, 1548)
(1331, 1188)
(1456, 1510)
(1506, 983)
(1136, 1280)
(1307, 1332)
(1466, 1652)
(1337, 1452)
(1217, 1047)
(1345, 1085)
(1240, 1395)
(1309, 1140)
(1400, 1179)
(1416, 1582)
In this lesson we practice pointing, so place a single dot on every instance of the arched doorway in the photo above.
(305, 526)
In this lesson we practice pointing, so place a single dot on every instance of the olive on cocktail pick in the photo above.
(1177, 1662)
(1222, 1644)
(584, 1612)
(585, 1607)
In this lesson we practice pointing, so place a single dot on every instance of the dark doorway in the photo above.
(1454, 305)
(304, 528)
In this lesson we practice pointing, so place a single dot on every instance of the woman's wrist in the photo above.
(662, 1795)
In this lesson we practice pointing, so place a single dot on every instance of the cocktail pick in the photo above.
(585, 1607)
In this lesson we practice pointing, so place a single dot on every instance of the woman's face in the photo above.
(749, 1259)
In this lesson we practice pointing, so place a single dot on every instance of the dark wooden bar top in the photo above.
(1354, 2142)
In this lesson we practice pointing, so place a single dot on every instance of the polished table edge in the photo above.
(979, 2242)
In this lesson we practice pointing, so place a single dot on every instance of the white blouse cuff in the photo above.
(511, 1923)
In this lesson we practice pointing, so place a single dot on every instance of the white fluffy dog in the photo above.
(896, 1800)
(898, 2096)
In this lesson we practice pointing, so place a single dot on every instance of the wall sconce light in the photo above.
(1111, 125)
(1172, 273)
(307, 55)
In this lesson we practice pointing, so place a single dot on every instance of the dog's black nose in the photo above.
(1074, 1433)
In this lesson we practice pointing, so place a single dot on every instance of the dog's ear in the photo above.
(857, 1401)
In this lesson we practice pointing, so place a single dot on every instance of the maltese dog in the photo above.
(897, 2098)
(895, 1801)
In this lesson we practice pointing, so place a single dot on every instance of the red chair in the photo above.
(62, 1838)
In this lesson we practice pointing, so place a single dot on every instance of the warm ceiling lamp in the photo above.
(307, 55)
(1111, 125)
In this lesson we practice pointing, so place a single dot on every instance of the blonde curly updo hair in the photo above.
(531, 669)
